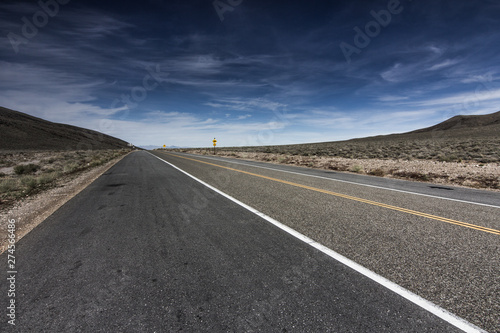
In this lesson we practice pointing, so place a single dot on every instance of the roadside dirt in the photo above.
(31, 211)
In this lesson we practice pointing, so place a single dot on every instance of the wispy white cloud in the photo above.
(435, 49)
(245, 104)
(480, 95)
(397, 73)
(485, 78)
(92, 25)
(443, 64)
(392, 98)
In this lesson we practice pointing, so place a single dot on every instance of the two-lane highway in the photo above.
(146, 248)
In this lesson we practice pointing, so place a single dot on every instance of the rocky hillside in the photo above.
(465, 122)
(19, 131)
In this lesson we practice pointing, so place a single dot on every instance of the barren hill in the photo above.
(462, 122)
(19, 131)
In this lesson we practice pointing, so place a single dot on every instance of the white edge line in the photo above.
(414, 298)
(349, 182)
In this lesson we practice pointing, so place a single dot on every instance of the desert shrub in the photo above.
(377, 172)
(24, 169)
(8, 185)
(356, 168)
(331, 166)
(342, 167)
(29, 182)
(447, 158)
(412, 175)
(283, 159)
(49, 160)
(48, 177)
(487, 159)
(490, 182)
(98, 161)
(70, 168)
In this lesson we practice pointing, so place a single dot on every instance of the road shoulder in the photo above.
(32, 211)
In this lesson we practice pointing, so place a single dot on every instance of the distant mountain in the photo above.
(19, 131)
(458, 127)
(463, 122)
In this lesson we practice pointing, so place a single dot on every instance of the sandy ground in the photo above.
(30, 212)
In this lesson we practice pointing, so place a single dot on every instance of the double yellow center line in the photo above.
(349, 197)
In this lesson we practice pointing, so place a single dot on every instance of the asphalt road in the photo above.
(146, 248)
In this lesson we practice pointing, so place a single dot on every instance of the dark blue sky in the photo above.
(249, 72)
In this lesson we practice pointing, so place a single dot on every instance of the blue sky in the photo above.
(249, 72)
